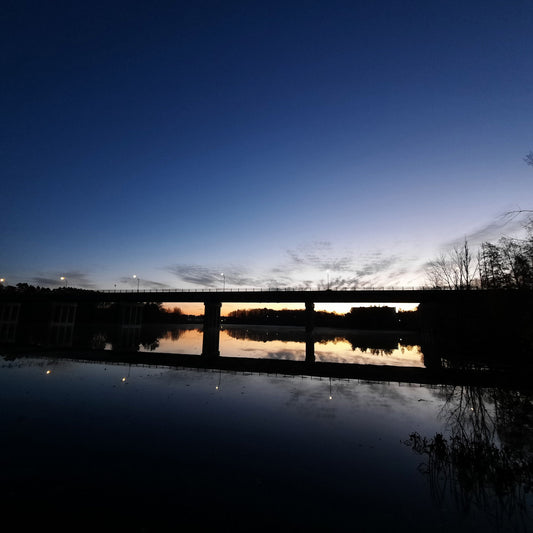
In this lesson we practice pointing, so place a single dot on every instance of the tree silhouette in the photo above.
(483, 461)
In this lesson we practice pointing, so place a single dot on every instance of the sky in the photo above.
(281, 144)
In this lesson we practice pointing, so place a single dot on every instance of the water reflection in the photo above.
(281, 343)
(227, 449)
(483, 458)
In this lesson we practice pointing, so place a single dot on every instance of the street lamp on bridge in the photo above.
(63, 278)
(223, 281)
(138, 281)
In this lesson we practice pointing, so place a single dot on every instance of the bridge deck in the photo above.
(267, 295)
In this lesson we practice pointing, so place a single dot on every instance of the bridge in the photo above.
(62, 303)
(271, 295)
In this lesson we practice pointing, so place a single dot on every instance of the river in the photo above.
(148, 447)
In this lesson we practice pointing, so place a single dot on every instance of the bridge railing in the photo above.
(278, 289)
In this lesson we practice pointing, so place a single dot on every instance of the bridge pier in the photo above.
(128, 332)
(309, 315)
(61, 326)
(211, 337)
(9, 318)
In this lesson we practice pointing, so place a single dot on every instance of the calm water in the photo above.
(275, 342)
(140, 448)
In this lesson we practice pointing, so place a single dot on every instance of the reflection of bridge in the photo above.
(410, 375)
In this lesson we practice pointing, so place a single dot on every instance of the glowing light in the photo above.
(48, 371)
(123, 379)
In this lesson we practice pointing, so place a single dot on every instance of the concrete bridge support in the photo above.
(309, 316)
(9, 317)
(131, 314)
(63, 319)
(129, 326)
(211, 339)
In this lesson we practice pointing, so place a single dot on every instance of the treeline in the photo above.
(357, 318)
(506, 264)
(32, 290)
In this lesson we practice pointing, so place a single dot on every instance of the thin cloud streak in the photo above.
(509, 223)
(143, 283)
(209, 277)
(73, 278)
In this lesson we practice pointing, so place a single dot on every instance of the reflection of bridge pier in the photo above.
(309, 326)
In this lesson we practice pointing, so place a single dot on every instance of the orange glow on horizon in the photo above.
(197, 308)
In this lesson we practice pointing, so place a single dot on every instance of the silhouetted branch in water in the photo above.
(473, 465)
(474, 468)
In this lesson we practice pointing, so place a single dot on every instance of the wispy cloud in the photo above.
(143, 283)
(341, 270)
(73, 278)
(320, 255)
(509, 223)
(210, 277)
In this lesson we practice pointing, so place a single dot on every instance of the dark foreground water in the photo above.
(136, 448)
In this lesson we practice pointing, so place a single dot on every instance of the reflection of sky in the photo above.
(189, 342)
(279, 446)
(337, 144)
(342, 352)
(338, 350)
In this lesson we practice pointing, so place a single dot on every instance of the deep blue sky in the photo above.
(271, 141)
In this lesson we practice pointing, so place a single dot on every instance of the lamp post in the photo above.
(223, 281)
(138, 281)
(63, 278)
(327, 273)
